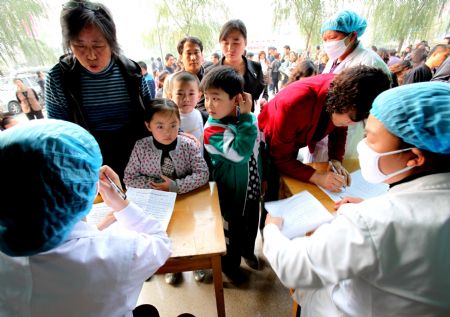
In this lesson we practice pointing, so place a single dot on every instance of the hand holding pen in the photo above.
(337, 168)
(109, 188)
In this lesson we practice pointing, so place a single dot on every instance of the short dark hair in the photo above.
(168, 55)
(5, 121)
(160, 105)
(142, 64)
(73, 20)
(287, 46)
(355, 89)
(225, 78)
(230, 26)
(438, 47)
(184, 77)
(303, 69)
(215, 55)
(189, 39)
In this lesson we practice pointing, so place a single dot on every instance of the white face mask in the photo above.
(368, 161)
(334, 49)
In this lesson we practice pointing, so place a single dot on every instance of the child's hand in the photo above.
(347, 200)
(245, 102)
(278, 221)
(163, 185)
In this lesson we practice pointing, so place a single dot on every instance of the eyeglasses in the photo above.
(81, 4)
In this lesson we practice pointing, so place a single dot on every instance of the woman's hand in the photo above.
(278, 221)
(109, 195)
(162, 185)
(328, 180)
(347, 200)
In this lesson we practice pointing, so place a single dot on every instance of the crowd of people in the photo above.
(176, 125)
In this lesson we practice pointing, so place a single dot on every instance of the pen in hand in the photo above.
(116, 188)
(336, 172)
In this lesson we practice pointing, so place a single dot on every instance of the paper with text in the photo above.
(154, 202)
(301, 214)
(359, 188)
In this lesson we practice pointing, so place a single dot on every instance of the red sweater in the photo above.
(296, 117)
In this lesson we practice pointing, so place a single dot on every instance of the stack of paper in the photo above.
(301, 214)
(157, 203)
(359, 188)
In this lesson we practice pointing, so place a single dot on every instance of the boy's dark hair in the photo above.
(5, 121)
(74, 19)
(230, 26)
(168, 55)
(189, 39)
(216, 55)
(225, 78)
(184, 77)
(355, 89)
(160, 105)
(142, 64)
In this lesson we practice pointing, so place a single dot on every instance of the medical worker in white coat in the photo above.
(389, 255)
(340, 35)
(52, 263)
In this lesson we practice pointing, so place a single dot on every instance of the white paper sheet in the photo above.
(359, 188)
(157, 203)
(301, 214)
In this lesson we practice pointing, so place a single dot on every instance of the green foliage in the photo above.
(178, 18)
(405, 20)
(17, 37)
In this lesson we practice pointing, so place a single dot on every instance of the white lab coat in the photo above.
(94, 273)
(355, 132)
(387, 256)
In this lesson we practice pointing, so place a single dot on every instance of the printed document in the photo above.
(157, 203)
(359, 188)
(301, 214)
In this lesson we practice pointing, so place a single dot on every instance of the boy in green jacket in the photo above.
(231, 137)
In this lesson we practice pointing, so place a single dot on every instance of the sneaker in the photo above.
(252, 262)
(172, 278)
(199, 275)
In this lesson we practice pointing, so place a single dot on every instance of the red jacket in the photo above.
(291, 120)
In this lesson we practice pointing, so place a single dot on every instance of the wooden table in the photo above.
(290, 186)
(197, 236)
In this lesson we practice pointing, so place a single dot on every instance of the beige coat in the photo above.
(29, 101)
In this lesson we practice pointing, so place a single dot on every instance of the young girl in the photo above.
(166, 160)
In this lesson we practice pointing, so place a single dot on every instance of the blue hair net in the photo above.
(49, 174)
(418, 113)
(345, 22)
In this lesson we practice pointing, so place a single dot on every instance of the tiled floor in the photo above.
(262, 296)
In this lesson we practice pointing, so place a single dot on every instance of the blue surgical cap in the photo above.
(345, 22)
(418, 113)
(49, 174)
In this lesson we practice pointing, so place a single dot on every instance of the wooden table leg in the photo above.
(218, 285)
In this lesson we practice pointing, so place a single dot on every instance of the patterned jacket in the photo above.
(145, 163)
(230, 145)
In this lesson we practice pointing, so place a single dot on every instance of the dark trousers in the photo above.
(241, 235)
(34, 114)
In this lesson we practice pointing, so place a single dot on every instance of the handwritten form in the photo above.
(359, 188)
(301, 214)
(154, 202)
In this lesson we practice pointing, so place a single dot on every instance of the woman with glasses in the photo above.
(95, 86)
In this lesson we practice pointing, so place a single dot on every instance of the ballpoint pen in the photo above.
(336, 172)
(116, 188)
